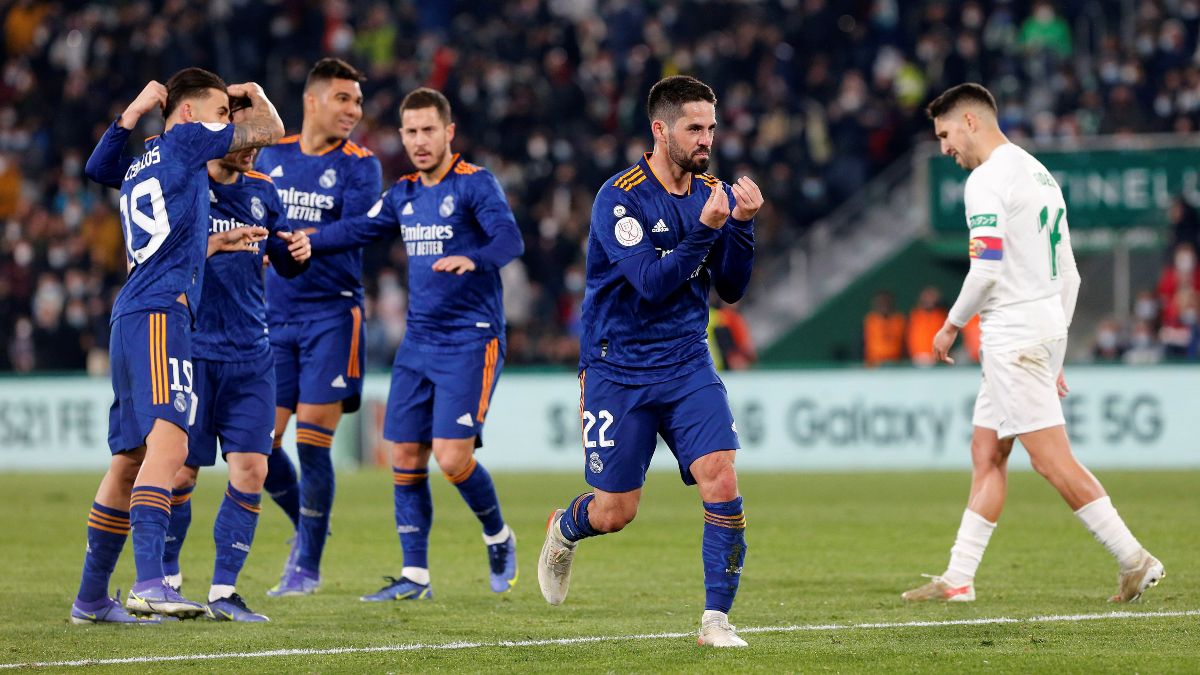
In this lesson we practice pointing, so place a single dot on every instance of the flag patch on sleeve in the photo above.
(987, 248)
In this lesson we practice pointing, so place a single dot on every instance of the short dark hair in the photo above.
(332, 68)
(959, 94)
(424, 97)
(669, 94)
(190, 83)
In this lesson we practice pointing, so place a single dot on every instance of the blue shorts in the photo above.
(236, 405)
(620, 421)
(320, 361)
(440, 395)
(150, 354)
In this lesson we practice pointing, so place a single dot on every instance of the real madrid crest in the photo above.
(447, 207)
(328, 179)
(257, 209)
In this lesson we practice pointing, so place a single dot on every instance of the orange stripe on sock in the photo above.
(105, 528)
(575, 509)
(176, 500)
(352, 367)
(316, 438)
(464, 474)
(108, 520)
(249, 507)
(490, 358)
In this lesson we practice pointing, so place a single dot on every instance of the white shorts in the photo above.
(1019, 390)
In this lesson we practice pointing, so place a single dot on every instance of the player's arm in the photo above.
(347, 234)
(733, 254)
(653, 277)
(1069, 273)
(108, 162)
(363, 187)
(493, 214)
(260, 124)
(986, 220)
(238, 240)
(288, 251)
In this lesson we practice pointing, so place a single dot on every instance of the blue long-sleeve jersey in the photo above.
(650, 264)
(164, 211)
(231, 320)
(465, 213)
(316, 190)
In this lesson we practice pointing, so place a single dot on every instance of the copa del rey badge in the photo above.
(628, 231)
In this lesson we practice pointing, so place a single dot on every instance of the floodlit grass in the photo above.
(823, 549)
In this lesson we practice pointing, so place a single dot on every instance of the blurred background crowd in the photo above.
(816, 97)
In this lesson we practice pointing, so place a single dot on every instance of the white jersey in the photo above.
(1018, 219)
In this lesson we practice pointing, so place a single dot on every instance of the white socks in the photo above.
(1102, 520)
(216, 592)
(419, 575)
(969, 545)
(498, 538)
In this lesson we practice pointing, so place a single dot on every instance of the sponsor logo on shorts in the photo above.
(465, 420)
(595, 464)
(407, 529)
(180, 401)
(338, 382)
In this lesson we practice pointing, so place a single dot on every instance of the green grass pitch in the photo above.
(823, 549)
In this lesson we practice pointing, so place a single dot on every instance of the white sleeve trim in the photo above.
(1070, 278)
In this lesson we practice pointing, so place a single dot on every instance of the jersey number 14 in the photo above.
(1054, 234)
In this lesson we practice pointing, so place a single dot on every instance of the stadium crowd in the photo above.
(815, 98)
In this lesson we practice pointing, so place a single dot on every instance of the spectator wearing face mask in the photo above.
(1180, 275)
(1180, 333)
(1109, 347)
(1143, 346)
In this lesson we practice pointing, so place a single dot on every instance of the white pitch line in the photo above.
(1057, 618)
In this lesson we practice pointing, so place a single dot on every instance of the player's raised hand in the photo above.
(943, 341)
(251, 90)
(716, 209)
(458, 264)
(298, 244)
(153, 96)
(748, 199)
(239, 239)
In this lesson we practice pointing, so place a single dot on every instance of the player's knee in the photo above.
(185, 478)
(410, 456)
(612, 517)
(250, 475)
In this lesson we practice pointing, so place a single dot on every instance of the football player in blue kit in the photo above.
(234, 375)
(165, 216)
(316, 319)
(459, 231)
(662, 233)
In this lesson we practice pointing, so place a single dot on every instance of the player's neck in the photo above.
(220, 173)
(671, 175)
(314, 142)
(437, 173)
(989, 143)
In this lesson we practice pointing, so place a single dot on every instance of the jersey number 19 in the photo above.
(1055, 236)
(156, 225)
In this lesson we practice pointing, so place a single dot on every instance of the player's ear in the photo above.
(658, 129)
(450, 132)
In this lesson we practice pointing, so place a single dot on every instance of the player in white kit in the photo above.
(1023, 283)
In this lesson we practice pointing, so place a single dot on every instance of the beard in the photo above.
(685, 161)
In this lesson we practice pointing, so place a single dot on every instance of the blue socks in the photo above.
(149, 515)
(181, 519)
(574, 524)
(282, 484)
(107, 530)
(414, 514)
(316, 492)
(475, 486)
(723, 552)
(233, 532)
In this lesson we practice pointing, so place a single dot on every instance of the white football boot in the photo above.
(715, 631)
(940, 589)
(1133, 582)
(554, 564)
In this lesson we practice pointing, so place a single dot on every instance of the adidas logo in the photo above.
(466, 420)
(212, 197)
(339, 382)
(660, 226)
(407, 210)
(277, 172)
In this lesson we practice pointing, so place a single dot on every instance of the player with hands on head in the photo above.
(663, 233)
(232, 371)
(1023, 283)
(164, 212)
